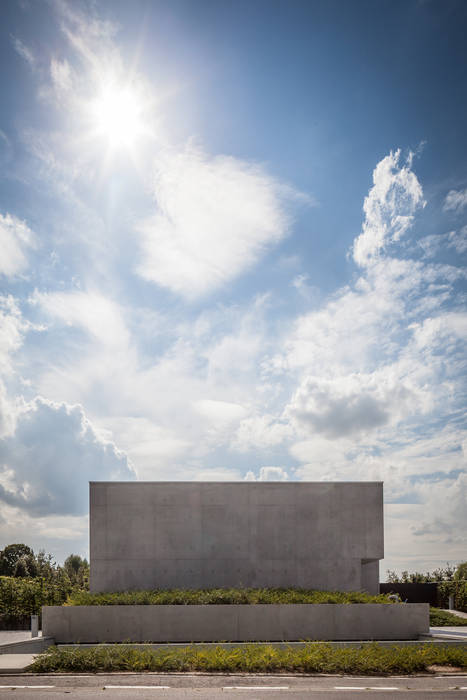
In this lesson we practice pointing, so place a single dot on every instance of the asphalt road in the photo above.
(144, 686)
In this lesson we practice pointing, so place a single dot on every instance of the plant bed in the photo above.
(312, 658)
(225, 596)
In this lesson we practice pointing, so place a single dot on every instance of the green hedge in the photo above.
(222, 596)
(22, 597)
(369, 660)
(456, 588)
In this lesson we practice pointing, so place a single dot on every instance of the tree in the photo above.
(10, 555)
(77, 568)
(26, 566)
(461, 572)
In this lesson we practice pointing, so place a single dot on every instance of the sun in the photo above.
(117, 116)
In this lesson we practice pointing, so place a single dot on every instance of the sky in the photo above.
(233, 246)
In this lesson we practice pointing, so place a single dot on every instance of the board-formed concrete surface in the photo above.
(147, 535)
(211, 623)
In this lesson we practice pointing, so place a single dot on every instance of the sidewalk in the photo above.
(449, 632)
(15, 663)
(14, 643)
(10, 636)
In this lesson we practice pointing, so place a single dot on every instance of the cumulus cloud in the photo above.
(357, 403)
(215, 217)
(52, 454)
(389, 207)
(15, 238)
(456, 201)
(268, 474)
(339, 407)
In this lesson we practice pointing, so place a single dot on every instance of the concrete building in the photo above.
(320, 535)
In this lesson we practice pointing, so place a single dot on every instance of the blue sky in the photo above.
(234, 244)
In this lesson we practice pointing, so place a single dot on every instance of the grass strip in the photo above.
(320, 657)
(443, 618)
(224, 596)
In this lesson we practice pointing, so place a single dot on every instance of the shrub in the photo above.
(22, 597)
(222, 596)
(317, 657)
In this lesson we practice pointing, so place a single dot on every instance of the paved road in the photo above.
(145, 686)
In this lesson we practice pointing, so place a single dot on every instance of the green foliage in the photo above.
(222, 596)
(22, 597)
(77, 570)
(318, 657)
(46, 566)
(34, 581)
(443, 618)
(446, 574)
(458, 589)
(452, 581)
(25, 566)
(461, 572)
(10, 555)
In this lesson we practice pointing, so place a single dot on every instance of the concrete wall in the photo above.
(201, 535)
(211, 623)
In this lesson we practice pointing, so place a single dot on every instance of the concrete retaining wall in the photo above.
(211, 623)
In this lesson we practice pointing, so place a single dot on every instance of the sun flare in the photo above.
(117, 116)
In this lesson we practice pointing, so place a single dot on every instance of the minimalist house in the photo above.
(320, 535)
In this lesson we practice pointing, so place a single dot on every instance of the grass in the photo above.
(223, 596)
(443, 618)
(312, 658)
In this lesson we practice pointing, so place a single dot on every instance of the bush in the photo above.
(456, 588)
(222, 596)
(22, 597)
(317, 657)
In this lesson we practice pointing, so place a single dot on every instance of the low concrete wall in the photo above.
(248, 623)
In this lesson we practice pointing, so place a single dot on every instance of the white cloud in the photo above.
(155, 450)
(49, 459)
(261, 432)
(389, 207)
(268, 474)
(58, 534)
(15, 237)
(354, 403)
(24, 51)
(215, 217)
(98, 315)
(458, 240)
(432, 244)
(221, 417)
(60, 72)
(12, 327)
(456, 200)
